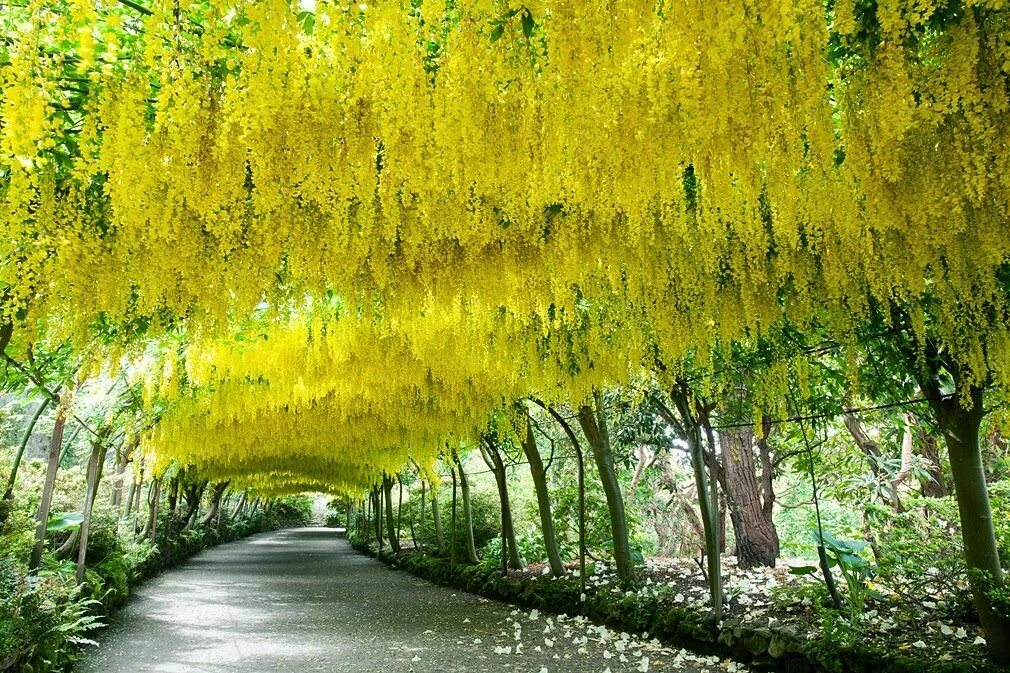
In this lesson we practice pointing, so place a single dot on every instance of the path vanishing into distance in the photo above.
(301, 600)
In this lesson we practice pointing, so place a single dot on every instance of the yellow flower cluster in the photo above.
(536, 201)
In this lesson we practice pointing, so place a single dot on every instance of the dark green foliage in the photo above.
(45, 618)
(485, 511)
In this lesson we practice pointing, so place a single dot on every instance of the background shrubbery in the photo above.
(45, 617)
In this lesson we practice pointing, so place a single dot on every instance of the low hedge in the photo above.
(783, 649)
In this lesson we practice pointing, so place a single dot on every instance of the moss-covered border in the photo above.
(780, 649)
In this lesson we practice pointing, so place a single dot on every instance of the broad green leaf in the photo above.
(64, 521)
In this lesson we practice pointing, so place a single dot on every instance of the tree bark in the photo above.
(377, 516)
(6, 332)
(464, 486)
(594, 427)
(757, 541)
(539, 475)
(936, 486)
(153, 501)
(581, 477)
(960, 427)
(690, 426)
(173, 497)
(194, 497)
(130, 492)
(215, 503)
(95, 469)
(387, 489)
(46, 502)
(436, 515)
(494, 461)
(399, 507)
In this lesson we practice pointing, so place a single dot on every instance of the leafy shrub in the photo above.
(46, 617)
(922, 555)
(485, 515)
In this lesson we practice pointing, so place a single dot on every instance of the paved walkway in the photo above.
(302, 600)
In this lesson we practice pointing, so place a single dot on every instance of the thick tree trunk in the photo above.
(95, 468)
(539, 475)
(464, 485)
(757, 541)
(194, 497)
(173, 497)
(960, 427)
(46, 502)
(594, 426)
(387, 488)
(494, 461)
(215, 503)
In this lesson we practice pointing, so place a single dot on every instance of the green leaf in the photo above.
(307, 20)
(64, 521)
(528, 24)
(802, 570)
(497, 32)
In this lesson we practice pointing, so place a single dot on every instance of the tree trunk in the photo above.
(123, 459)
(510, 551)
(581, 477)
(25, 438)
(690, 427)
(215, 503)
(95, 465)
(399, 507)
(594, 427)
(757, 541)
(46, 502)
(387, 488)
(194, 497)
(153, 501)
(424, 506)
(377, 516)
(130, 493)
(436, 515)
(464, 485)
(960, 427)
(173, 497)
(936, 485)
(6, 332)
(241, 505)
(539, 475)
(452, 525)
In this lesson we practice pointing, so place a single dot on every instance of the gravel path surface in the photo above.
(302, 600)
